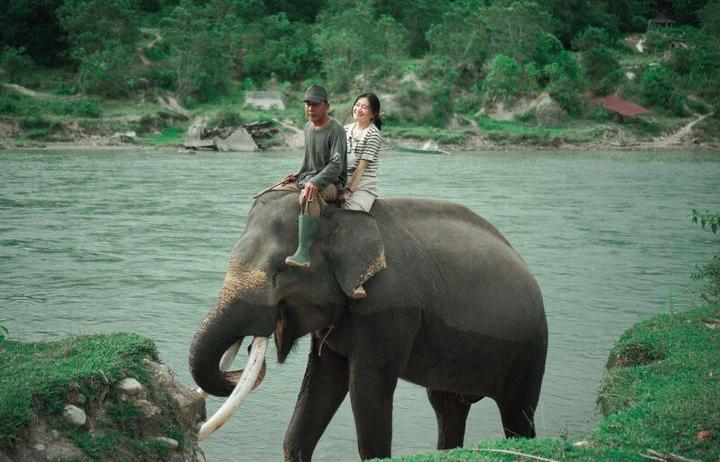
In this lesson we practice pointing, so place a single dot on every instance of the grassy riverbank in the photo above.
(38, 380)
(659, 399)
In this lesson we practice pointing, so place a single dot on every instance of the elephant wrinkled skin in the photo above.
(451, 307)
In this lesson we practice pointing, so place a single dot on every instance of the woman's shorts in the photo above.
(360, 200)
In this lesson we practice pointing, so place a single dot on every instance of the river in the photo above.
(138, 241)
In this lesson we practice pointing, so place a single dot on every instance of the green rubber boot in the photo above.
(307, 229)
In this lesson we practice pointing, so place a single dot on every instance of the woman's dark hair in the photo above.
(374, 105)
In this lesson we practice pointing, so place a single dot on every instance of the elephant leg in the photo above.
(378, 357)
(518, 401)
(323, 389)
(451, 412)
(371, 392)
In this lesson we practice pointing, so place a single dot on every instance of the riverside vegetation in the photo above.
(465, 73)
(100, 397)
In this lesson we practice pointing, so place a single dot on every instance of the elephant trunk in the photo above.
(237, 314)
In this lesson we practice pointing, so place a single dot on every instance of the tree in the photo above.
(275, 45)
(601, 69)
(97, 25)
(503, 80)
(657, 87)
(710, 17)
(514, 27)
(34, 26)
(354, 43)
(461, 36)
(416, 16)
(200, 47)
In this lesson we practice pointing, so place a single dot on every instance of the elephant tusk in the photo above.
(225, 362)
(246, 383)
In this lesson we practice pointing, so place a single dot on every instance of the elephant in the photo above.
(450, 306)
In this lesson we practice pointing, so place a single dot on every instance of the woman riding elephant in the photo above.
(363, 151)
(451, 306)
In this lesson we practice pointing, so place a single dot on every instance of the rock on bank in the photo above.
(119, 404)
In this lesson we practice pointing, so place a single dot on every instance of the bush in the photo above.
(709, 272)
(602, 70)
(657, 88)
(86, 108)
(106, 73)
(226, 118)
(503, 80)
(16, 63)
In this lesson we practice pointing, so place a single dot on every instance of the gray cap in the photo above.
(316, 94)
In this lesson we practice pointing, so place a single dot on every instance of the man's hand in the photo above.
(289, 178)
(311, 191)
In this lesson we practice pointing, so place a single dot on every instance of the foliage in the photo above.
(106, 72)
(415, 16)
(572, 16)
(657, 87)
(591, 37)
(226, 118)
(274, 46)
(706, 220)
(201, 51)
(97, 25)
(36, 377)
(461, 39)
(16, 63)
(503, 80)
(34, 26)
(355, 44)
(710, 17)
(515, 27)
(430, 105)
(601, 69)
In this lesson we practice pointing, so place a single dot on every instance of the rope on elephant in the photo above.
(322, 342)
(515, 453)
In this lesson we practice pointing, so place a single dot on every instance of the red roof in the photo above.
(622, 107)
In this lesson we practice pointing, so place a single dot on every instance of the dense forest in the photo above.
(439, 57)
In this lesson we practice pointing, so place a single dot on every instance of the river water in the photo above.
(138, 241)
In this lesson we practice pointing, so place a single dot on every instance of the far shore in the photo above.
(474, 145)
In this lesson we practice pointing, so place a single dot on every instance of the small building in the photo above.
(622, 108)
(265, 100)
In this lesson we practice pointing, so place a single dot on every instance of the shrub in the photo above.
(226, 118)
(657, 88)
(503, 80)
(710, 271)
(16, 63)
(105, 72)
(602, 70)
(86, 108)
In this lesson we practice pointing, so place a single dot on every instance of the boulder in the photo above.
(130, 387)
(239, 140)
(74, 415)
(548, 113)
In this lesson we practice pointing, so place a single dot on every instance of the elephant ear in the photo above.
(356, 249)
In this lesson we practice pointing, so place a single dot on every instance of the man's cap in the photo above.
(316, 94)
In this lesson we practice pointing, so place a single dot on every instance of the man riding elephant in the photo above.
(323, 172)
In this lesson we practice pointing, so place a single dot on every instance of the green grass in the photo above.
(661, 389)
(16, 104)
(38, 377)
